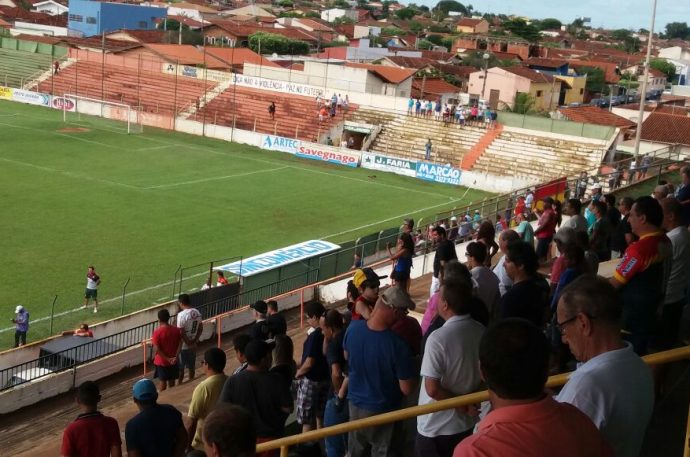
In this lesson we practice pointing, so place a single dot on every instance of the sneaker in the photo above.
(95, 310)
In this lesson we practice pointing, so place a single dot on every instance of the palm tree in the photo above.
(524, 104)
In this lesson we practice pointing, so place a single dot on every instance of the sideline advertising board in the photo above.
(313, 151)
(64, 103)
(279, 258)
(438, 173)
(6, 92)
(390, 164)
(31, 98)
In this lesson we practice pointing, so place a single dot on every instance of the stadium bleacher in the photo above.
(156, 93)
(17, 68)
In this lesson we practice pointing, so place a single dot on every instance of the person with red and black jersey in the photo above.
(642, 274)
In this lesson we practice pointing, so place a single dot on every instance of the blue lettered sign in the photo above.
(438, 173)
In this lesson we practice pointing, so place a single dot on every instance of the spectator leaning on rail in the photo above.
(229, 432)
(450, 367)
(613, 386)
(514, 363)
(643, 272)
(380, 372)
(91, 434)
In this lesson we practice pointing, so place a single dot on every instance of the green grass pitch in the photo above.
(137, 206)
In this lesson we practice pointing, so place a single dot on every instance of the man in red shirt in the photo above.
(91, 434)
(546, 227)
(167, 342)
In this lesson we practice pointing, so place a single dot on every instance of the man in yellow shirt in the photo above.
(205, 396)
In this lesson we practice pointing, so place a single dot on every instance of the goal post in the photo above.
(74, 106)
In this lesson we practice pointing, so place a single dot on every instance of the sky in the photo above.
(611, 14)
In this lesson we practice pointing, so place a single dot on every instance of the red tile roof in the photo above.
(506, 56)
(389, 74)
(609, 68)
(667, 128)
(11, 15)
(673, 109)
(595, 115)
(530, 74)
(239, 56)
(461, 71)
(337, 52)
(144, 36)
(411, 62)
(546, 63)
(318, 26)
(433, 86)
(469, 22)
(185, 54)
(97, 42)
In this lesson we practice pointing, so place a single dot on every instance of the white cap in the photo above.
(18, 309)
(453, 218)
(596, 186)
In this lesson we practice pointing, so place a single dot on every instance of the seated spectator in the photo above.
(367, 283)
(576, 221)
(239, 344)
(91, 434)
(450, 367)
(157, 430)
(229, 432)
(83, 331)
(514, 362)
(284, 359)
(505, 238)
(263, 394)
(221, 279)
(259, 329)
(613, 386)
(487, 281)
(205, 395)
(528, 296)
(312, 373)
(275, 320)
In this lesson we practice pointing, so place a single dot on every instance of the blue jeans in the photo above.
(336, 445)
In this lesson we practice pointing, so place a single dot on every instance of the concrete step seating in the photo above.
(536, 156)
(154, 92)
(17, 67)
(296, 116)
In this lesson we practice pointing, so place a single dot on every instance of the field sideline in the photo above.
(137, 206)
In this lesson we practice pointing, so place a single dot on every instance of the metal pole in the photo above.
(124, 289)
(643, 89)
(52, 313)
(179, 267)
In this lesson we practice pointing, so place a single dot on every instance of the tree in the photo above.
(341, 4)
(444, 6)
(424, 44)
(436, 39)
(405, 14)
(415, 27)
(677, 30)
(391, 31)
(476, 60)
(596, 80)
(631, 45)
(621, 34)
(520, 28)
(269, 43)
(439, 28)
(549, 24)
(343, 20)
(524, 104)
(665, 67)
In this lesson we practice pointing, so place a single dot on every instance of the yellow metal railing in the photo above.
(283, 444)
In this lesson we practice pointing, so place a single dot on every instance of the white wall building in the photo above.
(50, 7)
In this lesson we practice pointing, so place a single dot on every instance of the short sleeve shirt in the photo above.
(167, 339)
(90, 435)
(313, 347)
(189, 320)
(204, 400)
(444, 253)
(152, 431)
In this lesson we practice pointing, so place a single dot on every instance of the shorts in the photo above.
(543, 246)
(91, 293)
(311, 400)
(187, 359)
(169, 373)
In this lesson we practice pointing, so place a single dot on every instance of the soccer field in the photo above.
(138, 206)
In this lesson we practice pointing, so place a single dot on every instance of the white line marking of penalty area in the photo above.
(216, 178)
(73, 137)
(103, 302)
(69, 174)
(389, 219)
(152, 148)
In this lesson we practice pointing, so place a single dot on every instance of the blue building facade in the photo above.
(90, 18)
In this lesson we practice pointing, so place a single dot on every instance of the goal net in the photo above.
(78, 109)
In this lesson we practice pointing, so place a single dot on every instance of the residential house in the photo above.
(667, 129)
(236, 58)
(500, 87)
(472, 25)
(234, 34)
(510, 45)
(50, 7)
(178, 54)
(332, 14)
(573, 85)
(434, 89)
(679, 56)
(249, 10)
(595, 115)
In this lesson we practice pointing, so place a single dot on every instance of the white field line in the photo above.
(152, 148)
(215, 178)
(109, 300)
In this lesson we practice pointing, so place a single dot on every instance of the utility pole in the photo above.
(643, 89)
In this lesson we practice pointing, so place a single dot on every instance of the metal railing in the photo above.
(284, 444)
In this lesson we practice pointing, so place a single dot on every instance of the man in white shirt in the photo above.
(576, 221)
(612, 386)
(504, 239)
(450, 367)
(487, 281)
(190, 321)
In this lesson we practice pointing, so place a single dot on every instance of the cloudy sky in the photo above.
(633, 14)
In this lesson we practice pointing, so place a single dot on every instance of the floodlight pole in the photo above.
(643, 89)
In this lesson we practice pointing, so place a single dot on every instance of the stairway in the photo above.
(469, 159)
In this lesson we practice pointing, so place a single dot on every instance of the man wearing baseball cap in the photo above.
(21, 324)
(157, 430)
(259, 330)
(367, 283)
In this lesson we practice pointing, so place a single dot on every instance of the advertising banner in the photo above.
(313, 151)
(279, 257)
(64, 103)
(32, 98)
(389, 164)
(438, 173)
(6, 92)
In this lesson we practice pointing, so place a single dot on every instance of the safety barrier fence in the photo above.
(284, 444)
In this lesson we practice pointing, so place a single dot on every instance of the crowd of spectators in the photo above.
(502, 325)
(454, 113)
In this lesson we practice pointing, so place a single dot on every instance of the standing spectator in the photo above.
(486, 236)
(367, 283)
(346, 103)
(660, 192)
(56, 67)
(612, 386)
(272, 110)
(505, 238)
(191, 325)
(596, 192)
(642, 273)
(646, 161)
(284, 359)
(546, 228)
(336, 411)
(427, 150)
(380, 373)
(417, 108)
(229, 432)
(239, 345)
(683, 193)
(275, 320)
(259, 329)
(576, 221)
(157, 430)
(519, 207)
(205, 395)
(445, 251)
(410, 106)
(221, 279)
(675, 297)
(340, 102)
(91, 434)
(167, 343)
(622, 235)
(312, 373)
(600, 232)
(529, 201)
(450, 367)
(260, 392)
(612, 213)
(514, 363)
(524, 229)
(92, 283)
(21, 325)
(527, 298)
(402, 258)
(581, 186)
(486, 279)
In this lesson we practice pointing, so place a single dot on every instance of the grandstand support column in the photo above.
(643, 89)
